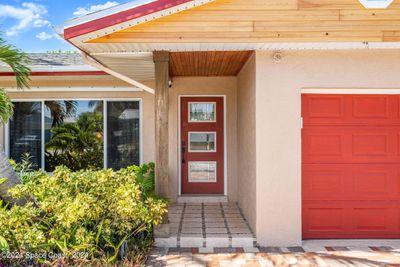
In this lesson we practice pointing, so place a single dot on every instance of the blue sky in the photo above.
(29, 24)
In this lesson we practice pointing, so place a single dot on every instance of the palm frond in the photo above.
(17, 61)
(61, 109)
(6, 107)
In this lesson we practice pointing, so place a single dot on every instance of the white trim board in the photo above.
(135, 48)
(179, 142)
(348, 91)
(50, 68)
(75, 89)
(80, 39)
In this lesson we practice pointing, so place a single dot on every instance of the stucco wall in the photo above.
(204, 86)
(278, 117)
(181, 86)
(246, 107)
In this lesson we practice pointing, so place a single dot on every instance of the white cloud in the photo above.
(80, 11)
(28, 15)
(44, 36)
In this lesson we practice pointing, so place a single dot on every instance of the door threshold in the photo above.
(202, 199)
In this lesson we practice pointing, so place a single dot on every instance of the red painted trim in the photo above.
(123, 16)
(59, 73)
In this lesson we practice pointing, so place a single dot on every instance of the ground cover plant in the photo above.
(87, 217)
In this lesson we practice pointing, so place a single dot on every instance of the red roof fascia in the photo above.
(123, 16)
(58, 73)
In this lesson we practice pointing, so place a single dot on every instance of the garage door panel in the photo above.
(348, 182)
(328, 109)
(337, 220)
(324, 182)
(345, 144)
(371, 144)
(375, 182)
(351, 166)
(323, 219)
(373, 107)
(324, 145)
(374, 219)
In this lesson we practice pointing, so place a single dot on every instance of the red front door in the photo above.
(202, 145)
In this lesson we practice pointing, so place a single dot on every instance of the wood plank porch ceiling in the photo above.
(207, 63)
(258, 21)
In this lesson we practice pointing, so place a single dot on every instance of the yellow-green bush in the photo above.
(92, 213)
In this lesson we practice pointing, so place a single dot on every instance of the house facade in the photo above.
(289, 108)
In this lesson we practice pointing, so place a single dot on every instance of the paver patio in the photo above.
(277, 256)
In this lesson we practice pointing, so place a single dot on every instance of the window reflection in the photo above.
(202, 172)
(201, 112)
(123, 134)
(73, 134)
(202, 142)
(26, 132)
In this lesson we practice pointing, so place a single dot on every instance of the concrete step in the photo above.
(202, 199)
(206, 242)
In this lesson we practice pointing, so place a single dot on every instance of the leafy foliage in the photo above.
(93, 212)
(145, 178)
(3, 242)
(25, 167)
(6, 107)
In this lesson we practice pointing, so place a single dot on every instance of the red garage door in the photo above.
(351, 166)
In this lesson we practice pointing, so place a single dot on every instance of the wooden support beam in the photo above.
(161, 61)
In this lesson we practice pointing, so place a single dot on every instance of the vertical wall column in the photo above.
(161, 61)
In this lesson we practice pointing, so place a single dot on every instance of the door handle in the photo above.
(183, 150)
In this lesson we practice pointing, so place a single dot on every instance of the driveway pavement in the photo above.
(277, 256)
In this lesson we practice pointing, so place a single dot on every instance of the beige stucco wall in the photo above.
(278, 127)
(204, 86)
(181, 86)
(246, 167)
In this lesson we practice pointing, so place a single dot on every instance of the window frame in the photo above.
(105, 101)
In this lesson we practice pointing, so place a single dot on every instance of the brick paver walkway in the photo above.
(207, 225)
(277, 256)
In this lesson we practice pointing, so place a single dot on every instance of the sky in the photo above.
(29, 25)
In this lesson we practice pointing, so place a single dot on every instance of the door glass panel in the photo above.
(202, 142)
(73, 134)
(202, 171)
(26, 132)
(202, 112)
(123, 133)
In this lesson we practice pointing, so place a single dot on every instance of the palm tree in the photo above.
(17, 61)
(77, 145)
(61, 109)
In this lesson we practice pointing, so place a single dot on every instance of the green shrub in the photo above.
(93, 213)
